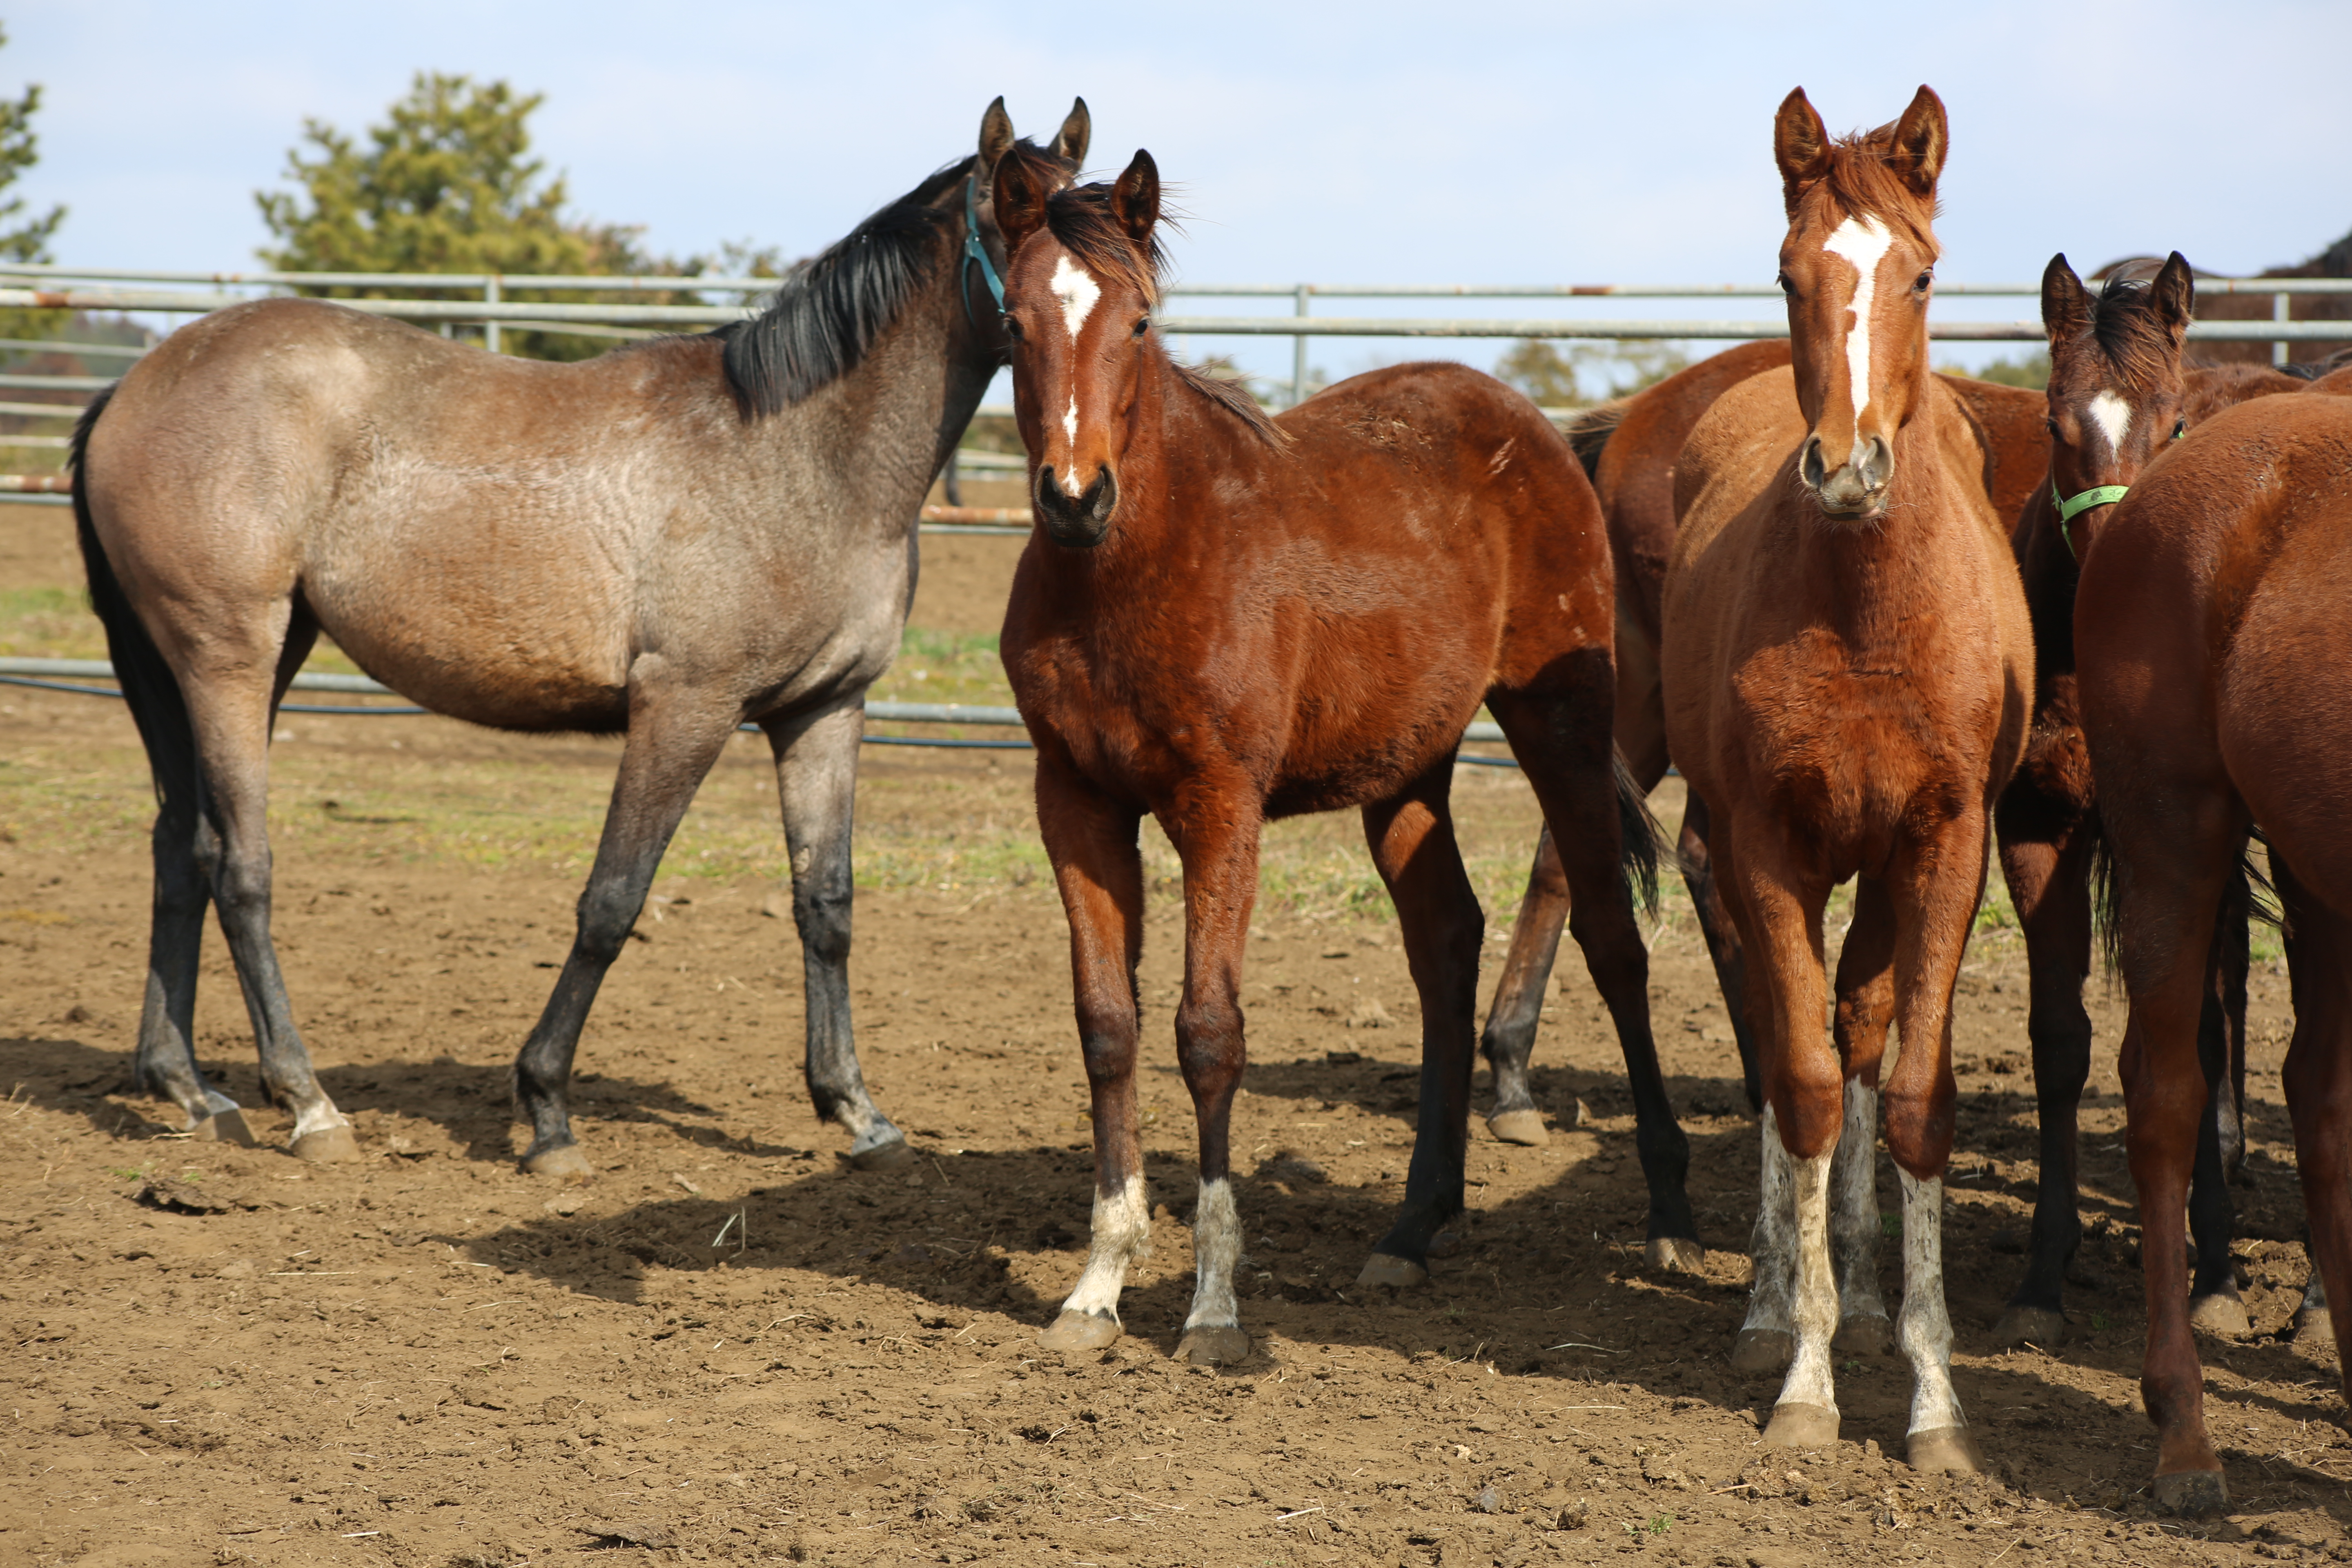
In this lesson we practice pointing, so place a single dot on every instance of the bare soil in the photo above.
(730, 1345)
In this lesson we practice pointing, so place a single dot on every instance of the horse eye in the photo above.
(1142, 325)
(1924, 280)
(1787, 286)
(2180, 428)
(1013, 328)
(2050, 426)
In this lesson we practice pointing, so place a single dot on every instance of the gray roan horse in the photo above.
(677, 538)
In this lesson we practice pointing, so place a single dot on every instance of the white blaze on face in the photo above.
(2113, 415)
(1862, 242)
(1076, 289)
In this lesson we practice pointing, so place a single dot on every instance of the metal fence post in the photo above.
(1298, 352)
(2279, 313)
(490, 328)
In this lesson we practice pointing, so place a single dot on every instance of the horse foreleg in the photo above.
(676, 733)
(1090, 840)
(230, 718)
(1572, 768)
(1724, 949)
(1511, 1021)
(1413, 845)
(817, 786)
(2048, 869)
(1866, 1006)
(1218, 839)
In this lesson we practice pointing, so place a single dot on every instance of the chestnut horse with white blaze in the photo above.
(2212, 646)
(1222, 618)
(1847, 670)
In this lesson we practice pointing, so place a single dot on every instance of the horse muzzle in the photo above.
(1855, 489)
(1080, 521)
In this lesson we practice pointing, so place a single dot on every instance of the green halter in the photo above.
(2068, 509)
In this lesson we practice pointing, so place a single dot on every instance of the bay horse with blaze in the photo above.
(1847, 674)
(1222, 618)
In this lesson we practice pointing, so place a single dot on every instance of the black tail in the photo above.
(1640, 836)
(1590, 431)
(148, 684)
(2247, 896)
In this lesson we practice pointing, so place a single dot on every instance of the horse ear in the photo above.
(995, 135)
(1020, 200)
(2174, 293)
(2065, 307)
(1801, 145)
(1921, 137)
(1135, 200)
(1070, 142)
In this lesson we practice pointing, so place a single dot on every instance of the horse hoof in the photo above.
(2043, 1328)
(2192, 1492)
(887, 1156)
(1678, 1253)
(2221, 1314)
(327, 1146)
(223, 1127)
(2307, 1321)
(1522, 1127)
(564, 1161)
(1865, 1333)
(1075, 1332)
(1760, 1351)
(1939, 1450)
(1795, 1425)
(1396, 1273)
(1214, 1345)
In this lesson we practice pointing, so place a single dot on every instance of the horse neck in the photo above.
(1880, 577)
(899, 412)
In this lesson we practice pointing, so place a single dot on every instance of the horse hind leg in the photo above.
(2214, 1306)
(1723, 945)
(1413, 845)
(1518, 1009)
(817, 784)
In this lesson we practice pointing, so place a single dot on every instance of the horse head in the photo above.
(1078, 298)
(1858, 267)
(2115, 382)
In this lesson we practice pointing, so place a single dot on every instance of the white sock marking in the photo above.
(1853, 1224)
(1815, 1303)
(1863, 241)
(1216, 1249)
(1926, 1328)
(1771, 1246)
(2114, 417)
(1122, 1228)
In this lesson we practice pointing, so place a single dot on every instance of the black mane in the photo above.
(829, 310)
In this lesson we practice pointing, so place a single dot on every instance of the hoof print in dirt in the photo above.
(1758, 1352)
(1525, 1128)
(223, 1127)
(891, 1156)
(1079, 1331)
(564, 1161)
(188, 1197)
(1395, 1273)
(1946, 1450)
(2192, 1493)
(1865, 1333)
(2221, 1314)
(1676, 1254)
(653, 1538)
(327, 1146)
(1795, 1425)
(2030, 1327)
(1213, 1346)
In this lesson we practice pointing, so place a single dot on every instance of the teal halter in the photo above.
(975, 251)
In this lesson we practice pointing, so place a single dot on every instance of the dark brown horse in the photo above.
(2213, 648)
(1629, 448)
(665, 542)
(1223, 618)
(1848, 672)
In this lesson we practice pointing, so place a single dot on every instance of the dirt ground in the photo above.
(731, 1346)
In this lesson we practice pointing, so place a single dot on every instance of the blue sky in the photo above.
(1499, 144)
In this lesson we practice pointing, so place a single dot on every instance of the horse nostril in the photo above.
(1877, 464)
(1809, 466)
